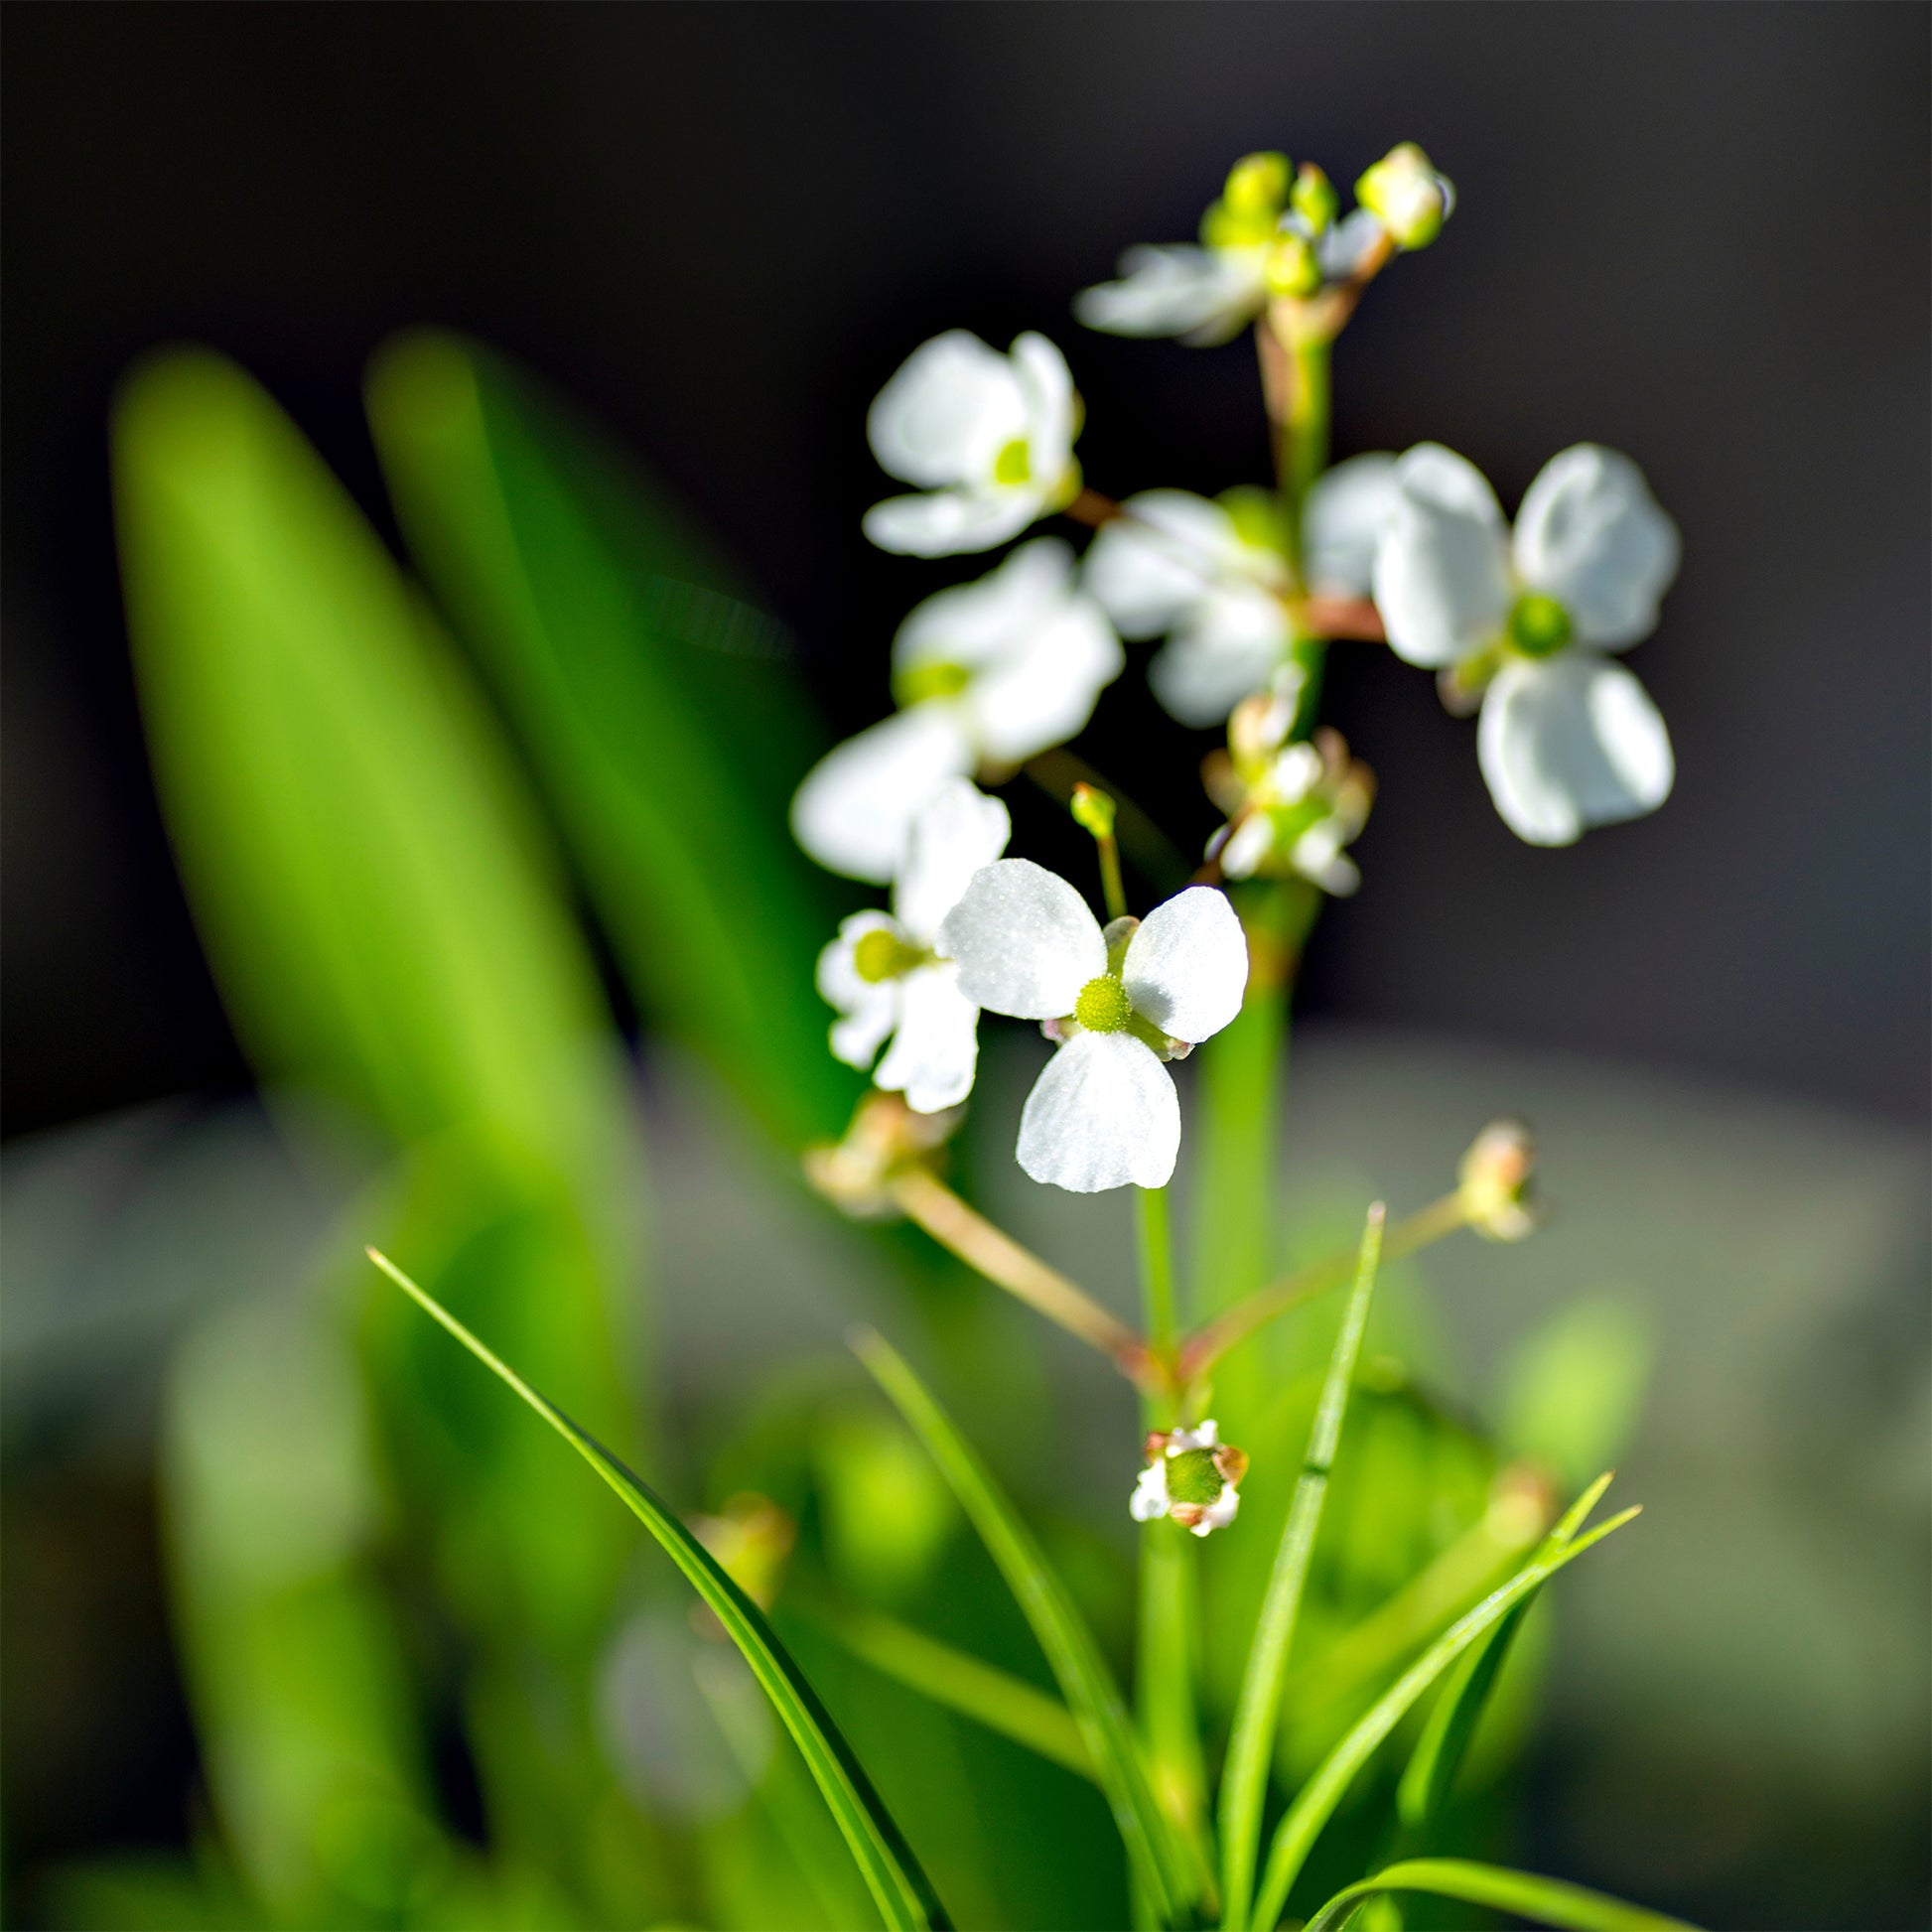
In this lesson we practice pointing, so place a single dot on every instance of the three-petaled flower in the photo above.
(1566, 739)
(1104, 1113)
(1191, 1475)
(988, 673)
(1212, 577)
(885, 975)
(988, 439)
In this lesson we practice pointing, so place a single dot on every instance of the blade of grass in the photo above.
(1244, 1784)
(1314, 1804)
(899, 1888)
(1161, 1865)
(1549, 1901)
(980, 1691)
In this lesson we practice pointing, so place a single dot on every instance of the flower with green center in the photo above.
(988, 439)
(1566, 740)
(1104, 1114)
(886, 975)
(1192, 1477)
(987, 673)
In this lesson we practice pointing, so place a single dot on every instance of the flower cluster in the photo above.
(1191, 1476)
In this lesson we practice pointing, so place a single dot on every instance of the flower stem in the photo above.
(1208, 1345)
(1057, 771)
(923, 1199)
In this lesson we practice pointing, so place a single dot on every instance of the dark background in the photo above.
(1697, 233)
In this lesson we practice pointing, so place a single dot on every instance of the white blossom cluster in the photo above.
(1521, 623)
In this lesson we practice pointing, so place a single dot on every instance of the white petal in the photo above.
(1104, 1114)
(1442, 574)
(934, 1055)
(1044, 693)
(1232, 642)
(858, 802)
(1342, 522)
(1570, 741)
(1247, 845)
(1150, 567)
(1149, 1502)
(868, 1010)
(947, 412)
(955, 832)
(1220, 1512)
(1207, 1433)
(948, 523)
(1047, 383)
(1208, 293)
(974, 624)
(1187, 966)
(1344, 245)
(1590, 535)
(1025, 940)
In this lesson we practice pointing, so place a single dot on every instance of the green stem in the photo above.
(1111, 888)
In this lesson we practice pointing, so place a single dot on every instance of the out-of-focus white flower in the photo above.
(988, 673)
(1291, 807)
(1210, 577)
(1104, 1113)
(1407, 195)
(1566, 739)
(1191, 1475)
(988, 439)
(887, 979)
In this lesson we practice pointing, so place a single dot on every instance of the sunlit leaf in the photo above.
(1546, 1902)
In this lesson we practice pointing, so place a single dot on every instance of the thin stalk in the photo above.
(1208, 1343)
(1057, 771)
(1244, 1781)
(1111, 889)
(1166, 1655)
(923, 1199)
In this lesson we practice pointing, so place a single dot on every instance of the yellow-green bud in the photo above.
(1407, 195)
(1251, 204)
(1292, 265)
(1093, 810)
(1313, 198)
(1102, 1005)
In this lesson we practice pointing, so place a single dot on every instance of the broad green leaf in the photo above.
(1451, 1724)
(898, 1887)
(1547, 1901)
(1251, 1747)
(1315, 1802)
(656, 704)
(1159, 1864)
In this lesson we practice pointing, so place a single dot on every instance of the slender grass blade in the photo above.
(1548, 1901)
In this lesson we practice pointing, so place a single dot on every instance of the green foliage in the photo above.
(1547, 1901)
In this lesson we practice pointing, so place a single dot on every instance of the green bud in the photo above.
(1251, 204)
(915, 683)
(1313, 198)
(1093, 810)
(1292, 265)
(1102, 1005)
(1539, 626)
(1407, 195)
(1192, 1477)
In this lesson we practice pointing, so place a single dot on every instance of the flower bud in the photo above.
(1292, 267)
(1494, 1179)
(1093, 810)
(1407, 195)
(886, 1134)
(1313, 198)
(1251, 204)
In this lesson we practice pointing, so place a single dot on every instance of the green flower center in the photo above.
(1014, 464)
(881, 955)
(1539, 626)
(1193, 1479)
(1102, 1005)
(914, 683)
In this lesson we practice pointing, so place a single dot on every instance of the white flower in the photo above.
(1203, 295)
(1567, 739)
(1104, 1113)
(1191, 1475)
(1291, 807)
(1407, 195)
(1210, 576)
(988, 438)
(884, 973)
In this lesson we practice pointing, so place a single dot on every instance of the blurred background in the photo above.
(1698, 234)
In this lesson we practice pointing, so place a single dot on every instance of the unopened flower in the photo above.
(1566, 740)
(883, 975)
(1104, 1113)
(1407, 195)
(1212, 577)
(1291, 807)
(1494, 1180)
(987, 673)
(885, 1135)
(1191, 1475)
(988, 439)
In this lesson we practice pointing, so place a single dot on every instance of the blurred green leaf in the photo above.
(1315, 1802)
(1161, 1864)
(897, 1886)
(1548, 1901)
(656, 702)
(1573, 1390)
